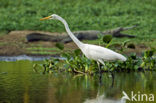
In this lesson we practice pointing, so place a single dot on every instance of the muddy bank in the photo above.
(15, 43)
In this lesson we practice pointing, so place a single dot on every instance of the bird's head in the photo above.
(53, 16)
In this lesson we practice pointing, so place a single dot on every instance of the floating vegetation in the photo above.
(76, 62)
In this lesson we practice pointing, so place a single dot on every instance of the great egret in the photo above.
(94, 52)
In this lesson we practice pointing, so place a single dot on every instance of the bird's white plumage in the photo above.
(98, 53)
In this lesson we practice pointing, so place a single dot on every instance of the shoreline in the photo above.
(14, 44)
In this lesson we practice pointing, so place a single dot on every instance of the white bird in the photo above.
(94, 52)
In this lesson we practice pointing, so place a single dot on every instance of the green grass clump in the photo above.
(42, 50)
(80, 14)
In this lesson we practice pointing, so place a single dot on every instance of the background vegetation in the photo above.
(82, 15)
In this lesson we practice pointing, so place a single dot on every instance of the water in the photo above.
(20, 84)
(26, 57)
(23, 57)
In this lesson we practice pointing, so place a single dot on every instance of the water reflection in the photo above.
(19, 84)
(103, 99)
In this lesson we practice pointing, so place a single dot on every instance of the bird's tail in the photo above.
(122, 58)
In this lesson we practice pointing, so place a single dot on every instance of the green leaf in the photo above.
(107, 38)
(77, 52)
(125, 42)
(60, 46)
(66, 55)
(133, 56)
(149, 53)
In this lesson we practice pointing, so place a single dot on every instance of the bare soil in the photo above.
(14, 43)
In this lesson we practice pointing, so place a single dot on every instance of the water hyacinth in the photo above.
(76, 62)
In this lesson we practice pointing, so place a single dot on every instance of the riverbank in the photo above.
(14, 43)
(104, 15)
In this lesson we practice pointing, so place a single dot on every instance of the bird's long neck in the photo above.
(78, 43)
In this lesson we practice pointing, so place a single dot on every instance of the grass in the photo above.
(43, 53)
(82, 15)
(42, 50)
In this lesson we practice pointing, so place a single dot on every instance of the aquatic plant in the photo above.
(76, 62)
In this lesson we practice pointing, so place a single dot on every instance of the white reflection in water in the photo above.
(103, 99)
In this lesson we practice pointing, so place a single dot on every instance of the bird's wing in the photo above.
(97, 52)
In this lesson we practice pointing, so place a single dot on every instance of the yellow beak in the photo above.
(46, 18)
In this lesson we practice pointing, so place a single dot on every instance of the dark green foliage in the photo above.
(132, 63)
(149, 53)
(131, 45)
(59, 46)
(77, 63)
(148, 60)
(51, 65)
(107, 38)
